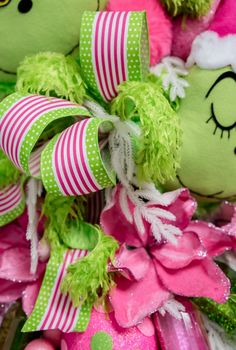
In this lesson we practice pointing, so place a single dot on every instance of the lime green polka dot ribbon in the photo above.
(23, 119)
(12, 202)
(114, 48)
(54, 310)
(73, 163)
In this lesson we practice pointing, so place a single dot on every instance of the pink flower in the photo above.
(153, 268)
(15, 273)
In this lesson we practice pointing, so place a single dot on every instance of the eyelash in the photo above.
(218, 125)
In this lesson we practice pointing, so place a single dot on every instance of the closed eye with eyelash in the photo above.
(218, 125)
(213, 117)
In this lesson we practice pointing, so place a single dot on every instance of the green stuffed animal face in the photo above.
(208, 120)
(31, 26)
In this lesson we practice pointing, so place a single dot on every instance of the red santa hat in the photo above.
(216, 47)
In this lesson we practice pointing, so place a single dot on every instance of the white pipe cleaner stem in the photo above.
(34, 189)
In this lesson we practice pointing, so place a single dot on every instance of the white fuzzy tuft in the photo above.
(174, 308)
(210, 51)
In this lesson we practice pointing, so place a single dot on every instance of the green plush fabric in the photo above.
(50, 25)
(157, 149)
(208, 157)
(192, 8)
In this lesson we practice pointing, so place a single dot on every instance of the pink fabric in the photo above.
(185, 31)
(159, 24)
(123, 339)
(15, 260)
(224, 22)
(147, 281)
(185, 333)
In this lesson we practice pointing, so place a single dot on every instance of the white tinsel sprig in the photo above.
(172, 70)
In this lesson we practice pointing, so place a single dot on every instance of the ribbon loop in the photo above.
(12, 203)
(54, 310)
(23, 120)
(114, 48)
(72, 164)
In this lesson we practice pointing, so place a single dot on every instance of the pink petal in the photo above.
(132, 301)
(30, 295)
(147, 327)
(114, 222)
(224, 214)
(201, 278)
(15, 265)
(10, 291)
(187, 249)
(12, 235)
(214, 239)
(183, 208)
(133, 263)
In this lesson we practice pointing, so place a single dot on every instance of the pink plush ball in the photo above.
(159, 24)
(39, 344)
(103, 333)
(54, 336)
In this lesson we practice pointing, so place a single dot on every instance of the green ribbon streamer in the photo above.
(223, 314)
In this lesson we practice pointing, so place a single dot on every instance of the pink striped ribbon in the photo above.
(19, 118)
(10, 198)
(70, 162)
(34, 161)
(60, 313)
(109, 51)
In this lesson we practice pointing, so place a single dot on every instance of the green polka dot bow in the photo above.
(74, 162)
(114, 48)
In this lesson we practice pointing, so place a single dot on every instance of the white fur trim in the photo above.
(210, 51)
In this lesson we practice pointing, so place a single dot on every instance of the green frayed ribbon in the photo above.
(191, 8)
(157, 149)
(51, 74)
(88, 279)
